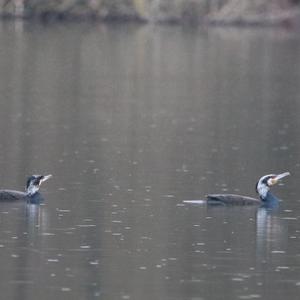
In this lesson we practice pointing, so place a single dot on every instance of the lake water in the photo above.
(132, 120)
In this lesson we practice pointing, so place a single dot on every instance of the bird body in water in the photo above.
(31, 194)
(262, 188)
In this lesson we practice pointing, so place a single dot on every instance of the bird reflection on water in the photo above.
(271, 233)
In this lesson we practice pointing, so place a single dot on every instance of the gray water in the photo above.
(132, 120)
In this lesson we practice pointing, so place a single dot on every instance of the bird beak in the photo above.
(45, 177)
(278, 177)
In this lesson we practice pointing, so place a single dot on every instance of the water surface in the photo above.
(131, 121)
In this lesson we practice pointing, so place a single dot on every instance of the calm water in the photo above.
(131, 121)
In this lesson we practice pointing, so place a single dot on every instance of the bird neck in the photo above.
(262, 191)
(269, 197)
(31, 190)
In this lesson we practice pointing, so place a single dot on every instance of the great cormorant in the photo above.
(262, 188)
(31, 194)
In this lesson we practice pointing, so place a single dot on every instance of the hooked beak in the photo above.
(275, 180)
(44, 178)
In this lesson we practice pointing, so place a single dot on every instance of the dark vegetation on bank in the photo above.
(216, 12)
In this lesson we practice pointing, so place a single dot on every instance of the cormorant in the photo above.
(31, 194)
(262, 188)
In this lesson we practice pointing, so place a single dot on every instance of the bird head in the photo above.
(33, 183)
(264, 183)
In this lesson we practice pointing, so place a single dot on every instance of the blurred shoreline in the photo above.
(195, 12)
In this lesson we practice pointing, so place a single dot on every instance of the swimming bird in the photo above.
(262, 188)
(31, 194)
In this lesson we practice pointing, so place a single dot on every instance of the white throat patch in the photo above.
(32, 189)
